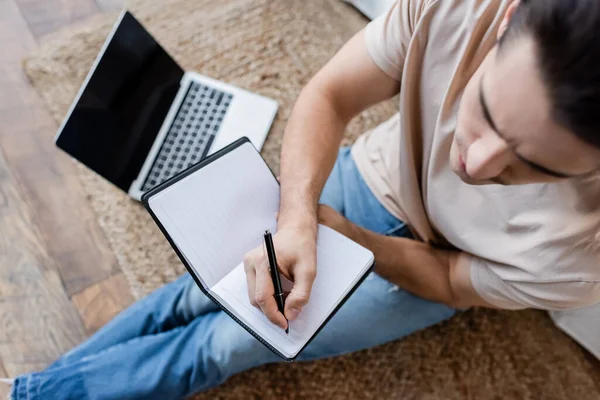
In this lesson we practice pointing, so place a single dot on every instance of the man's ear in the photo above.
(507, 17)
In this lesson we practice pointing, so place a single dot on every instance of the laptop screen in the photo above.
(116, 118)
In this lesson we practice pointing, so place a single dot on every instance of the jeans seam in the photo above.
(391, 231)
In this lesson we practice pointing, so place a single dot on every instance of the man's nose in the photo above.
(488, 157)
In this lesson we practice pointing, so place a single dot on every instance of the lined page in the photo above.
(220, 212)
(340, 264)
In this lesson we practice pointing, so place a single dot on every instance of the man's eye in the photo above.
(544, 172)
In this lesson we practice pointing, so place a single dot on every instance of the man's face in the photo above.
(505, 132)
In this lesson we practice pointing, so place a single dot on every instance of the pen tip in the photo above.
(287, 330)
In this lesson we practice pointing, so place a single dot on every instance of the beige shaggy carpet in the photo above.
(273, 47)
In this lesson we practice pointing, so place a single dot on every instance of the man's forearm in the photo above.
(309, 151)
(412, 265)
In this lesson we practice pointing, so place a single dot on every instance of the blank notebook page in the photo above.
(217, 214)
(220, 212)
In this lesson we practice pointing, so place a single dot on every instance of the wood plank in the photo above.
(37, 321)
(100, 302)
(110, 5)
(45, 16)
(47, 177)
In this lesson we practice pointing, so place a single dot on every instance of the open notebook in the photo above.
(217, 211)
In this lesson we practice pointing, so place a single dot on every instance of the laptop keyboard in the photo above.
(193, 129)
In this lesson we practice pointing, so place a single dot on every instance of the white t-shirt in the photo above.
(531, 246)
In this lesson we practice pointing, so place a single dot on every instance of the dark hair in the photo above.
(567, 35)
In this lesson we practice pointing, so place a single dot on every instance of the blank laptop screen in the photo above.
(121, 109)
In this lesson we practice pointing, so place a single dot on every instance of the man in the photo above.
(482, 191)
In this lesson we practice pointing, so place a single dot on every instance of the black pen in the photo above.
(275, 274)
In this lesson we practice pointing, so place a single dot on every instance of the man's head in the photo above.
(531, 112)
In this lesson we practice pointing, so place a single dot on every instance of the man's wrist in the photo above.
(300, 220)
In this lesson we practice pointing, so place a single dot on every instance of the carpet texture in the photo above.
(273, 47)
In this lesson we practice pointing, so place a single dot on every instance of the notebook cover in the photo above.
(177, 177)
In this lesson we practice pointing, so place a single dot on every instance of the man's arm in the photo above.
(349, 83)
(423, 270)
(428, 272)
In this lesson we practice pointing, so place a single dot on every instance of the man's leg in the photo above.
(212, 347)
(170, 306)
(167, 365)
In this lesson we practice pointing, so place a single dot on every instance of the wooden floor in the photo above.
(59, 281)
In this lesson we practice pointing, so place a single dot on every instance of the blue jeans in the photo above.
(176, 341)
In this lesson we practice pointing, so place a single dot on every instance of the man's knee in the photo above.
(236, 349)
(193, 302)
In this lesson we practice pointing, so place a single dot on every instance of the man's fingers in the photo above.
(251, 280)
(264, 296)
(249, 262)
(298, 297)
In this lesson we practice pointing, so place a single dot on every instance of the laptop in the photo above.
(139, 118)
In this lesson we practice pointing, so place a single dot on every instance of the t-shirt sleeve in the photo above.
(388, 36)
(495, 284)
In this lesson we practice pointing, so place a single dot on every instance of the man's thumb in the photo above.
(300, 294)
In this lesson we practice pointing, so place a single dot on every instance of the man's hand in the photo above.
(295, 249)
